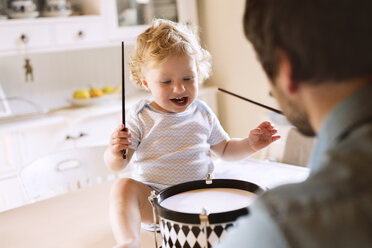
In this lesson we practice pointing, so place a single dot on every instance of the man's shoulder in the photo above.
(309, 197)
(343, 178)
(358, 140)
(285, 199)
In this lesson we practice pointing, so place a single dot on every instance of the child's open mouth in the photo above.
(182, 101)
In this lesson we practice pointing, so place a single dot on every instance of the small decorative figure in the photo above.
(28, 69)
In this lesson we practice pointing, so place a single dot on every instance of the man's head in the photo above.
(323, 41)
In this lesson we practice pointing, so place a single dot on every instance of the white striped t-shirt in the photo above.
(172, 148)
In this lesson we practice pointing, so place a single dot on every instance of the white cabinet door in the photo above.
(11, 193)
(91, 131)
(10, 156)
(41, 141)
(15, 37)
(55, 33)
(119, 11)
(79, 33)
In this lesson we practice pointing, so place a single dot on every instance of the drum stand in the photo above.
(152, 198)
(204, 222)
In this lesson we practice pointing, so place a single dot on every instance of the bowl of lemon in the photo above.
(95, 96)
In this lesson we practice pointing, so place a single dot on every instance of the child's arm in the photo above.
(113, 156)
(236, 149)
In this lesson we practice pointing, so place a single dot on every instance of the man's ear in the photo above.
(285, 73)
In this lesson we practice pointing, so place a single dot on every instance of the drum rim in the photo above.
(214, 218)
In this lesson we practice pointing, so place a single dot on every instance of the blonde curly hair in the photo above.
(166, 38)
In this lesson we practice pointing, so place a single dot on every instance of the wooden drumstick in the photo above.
(124, 152)
(251, 101)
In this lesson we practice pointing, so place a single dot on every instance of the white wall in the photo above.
(235, 67)
(58, 74)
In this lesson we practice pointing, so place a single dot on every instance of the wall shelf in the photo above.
(97, 27)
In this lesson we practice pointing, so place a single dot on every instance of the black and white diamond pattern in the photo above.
(181, 235)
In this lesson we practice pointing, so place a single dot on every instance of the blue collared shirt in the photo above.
(333, 207)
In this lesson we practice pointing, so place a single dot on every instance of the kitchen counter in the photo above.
(28, 122)
(65, 114)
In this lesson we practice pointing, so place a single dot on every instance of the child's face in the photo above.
(173, 83)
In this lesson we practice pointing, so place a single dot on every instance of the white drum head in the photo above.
(215, 200)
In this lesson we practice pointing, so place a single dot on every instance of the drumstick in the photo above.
(124, 152)
(251, 101)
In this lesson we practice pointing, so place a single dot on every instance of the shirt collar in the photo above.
(190, 109)
(348, 114)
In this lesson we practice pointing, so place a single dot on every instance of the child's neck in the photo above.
(157, 107)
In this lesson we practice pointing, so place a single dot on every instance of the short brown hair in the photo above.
(166, 38)
(325, 40)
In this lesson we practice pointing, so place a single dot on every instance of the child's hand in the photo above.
(119, 141)
(262, 136)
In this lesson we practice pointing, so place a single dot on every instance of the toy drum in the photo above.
(198, 213)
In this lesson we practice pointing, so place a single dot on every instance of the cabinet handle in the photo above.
(80, 34)
(70, 137)
(68, 164)
(24, 38)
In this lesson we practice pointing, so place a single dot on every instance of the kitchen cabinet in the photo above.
(13, 154)
(23, 145)
(92, 130)
(11, 193)
(39, 141)
(18, 36)
(15, 135)
(128, 18)
(15, 35)
(9, 159)
(98, 26)
(23, 142)
(79, 33)
(75, 129)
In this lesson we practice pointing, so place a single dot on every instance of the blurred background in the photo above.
(52, 49)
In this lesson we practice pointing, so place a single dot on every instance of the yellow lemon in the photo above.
(94, 92)
(108, 90)
(117, 89)
(81, 94)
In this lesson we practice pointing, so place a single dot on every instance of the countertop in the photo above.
(66, 114)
